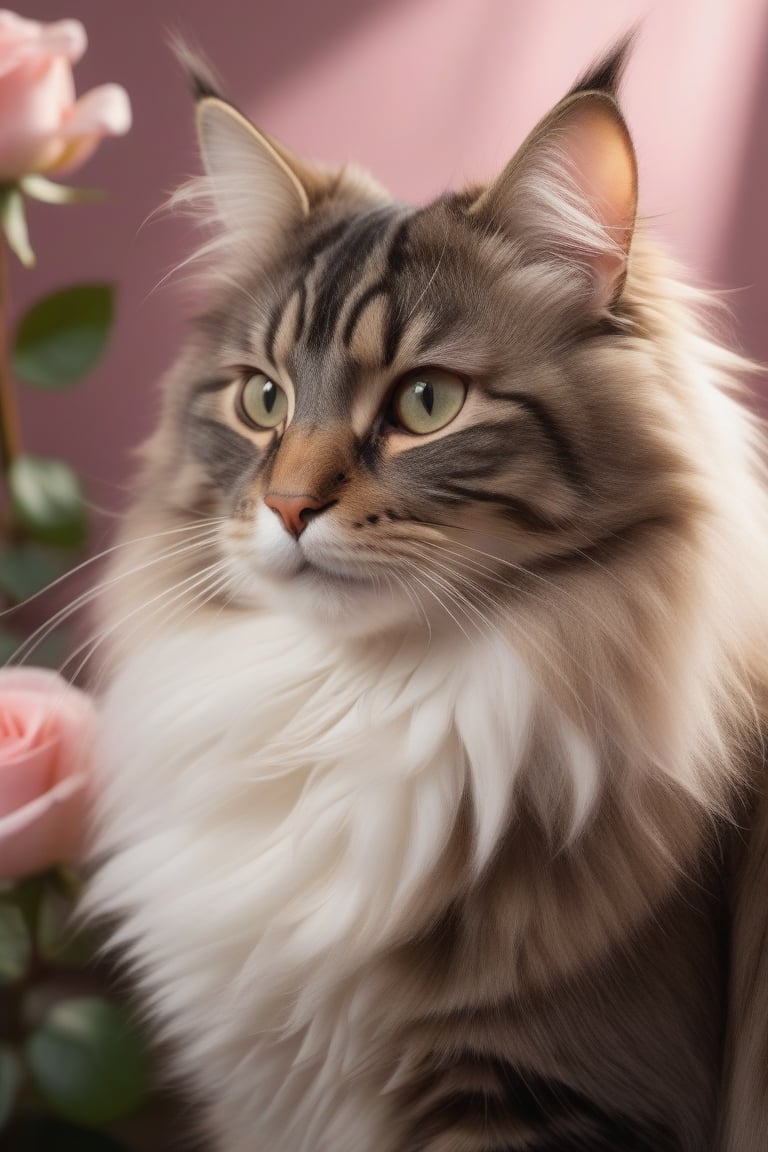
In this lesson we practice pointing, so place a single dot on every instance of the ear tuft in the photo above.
(606, 74)
(199, 74)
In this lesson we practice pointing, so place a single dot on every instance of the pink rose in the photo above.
(42, 127)
(47, 733)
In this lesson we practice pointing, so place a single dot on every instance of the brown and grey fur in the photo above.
(603, 983)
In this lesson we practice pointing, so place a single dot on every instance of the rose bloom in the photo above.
(47, 734)
(43, 128)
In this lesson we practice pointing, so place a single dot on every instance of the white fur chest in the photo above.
(272, 803)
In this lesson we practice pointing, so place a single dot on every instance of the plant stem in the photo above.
(10, 427)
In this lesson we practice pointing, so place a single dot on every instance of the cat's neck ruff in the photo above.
(279, 800)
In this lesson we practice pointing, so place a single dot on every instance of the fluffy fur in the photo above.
(414, 826)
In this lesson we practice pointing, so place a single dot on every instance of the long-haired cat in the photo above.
(437, 672)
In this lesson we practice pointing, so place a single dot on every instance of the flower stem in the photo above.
(10, 427)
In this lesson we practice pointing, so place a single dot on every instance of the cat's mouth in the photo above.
(343, 578)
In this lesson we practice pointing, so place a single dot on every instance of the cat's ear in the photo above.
(256, 185)
(570, 192)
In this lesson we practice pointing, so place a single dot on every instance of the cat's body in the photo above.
(424, 760)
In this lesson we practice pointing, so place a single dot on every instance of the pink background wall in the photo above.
(427, 93)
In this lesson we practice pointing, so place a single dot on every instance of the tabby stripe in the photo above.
(398, 249)
(516, 508)
(396, 318)
(566, 456)
(396, 262)
(228, 455)
(516, 1102)
(344, 262)
(396, 322)
(275, 321)
(378, 289)
(326, 239)
(323, 242)
(301, 314)
(217, 385)
(299, 288)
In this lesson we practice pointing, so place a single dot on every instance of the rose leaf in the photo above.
(47, 500)
(25, 571)
(89, 1062)
(64, 335)
(15, 943)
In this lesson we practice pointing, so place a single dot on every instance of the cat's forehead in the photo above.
(369, 291)
(336, 272)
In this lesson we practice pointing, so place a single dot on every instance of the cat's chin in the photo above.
(347, 602)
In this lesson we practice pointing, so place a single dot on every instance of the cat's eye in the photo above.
(263, 402)
(428, 400)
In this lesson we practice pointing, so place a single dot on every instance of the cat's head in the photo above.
(402, 412)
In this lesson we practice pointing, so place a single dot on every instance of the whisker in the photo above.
(443, 606)
(93, 643)
(415, 601)
(458, 598)
(107, 552)
(582, 706)
(582, 608)
(36, 638)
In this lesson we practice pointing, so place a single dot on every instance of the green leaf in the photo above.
(10, 1079)
(25, 571)
(49, 192)
(46, 1134)
(15, 943)
(63, 336)
(47, 500)
(13, 223)
(51, 652)
(27, 895)
(48, 653)
(89, 1062)
(57, 939)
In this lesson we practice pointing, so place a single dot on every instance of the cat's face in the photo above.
(401, 413)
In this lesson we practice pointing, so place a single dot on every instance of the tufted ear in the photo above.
(256, 189)
(570, 192)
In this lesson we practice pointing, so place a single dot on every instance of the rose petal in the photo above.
(23, 717)
(27, 40)
(45, 832)
(34, 99)
(26, 775)
(73, 726)
(38, 708)
(104, 111)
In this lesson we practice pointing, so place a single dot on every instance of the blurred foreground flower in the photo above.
(43, 128)
(72, 1062)
(47, 731)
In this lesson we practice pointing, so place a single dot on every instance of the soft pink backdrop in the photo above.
(427, 93)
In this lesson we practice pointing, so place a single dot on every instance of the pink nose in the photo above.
(294, 511)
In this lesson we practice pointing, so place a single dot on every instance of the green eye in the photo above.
(426, 401)
(263, 402)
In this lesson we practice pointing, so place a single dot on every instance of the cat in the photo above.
(435, 687)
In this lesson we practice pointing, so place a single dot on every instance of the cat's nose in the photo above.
(295, 511)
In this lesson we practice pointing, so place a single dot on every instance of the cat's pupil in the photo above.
(426, 394)
(269, 395)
